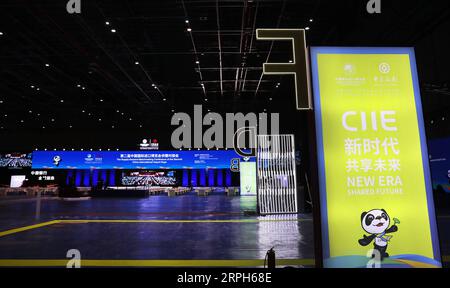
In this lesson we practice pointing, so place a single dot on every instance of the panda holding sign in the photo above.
(376, 223)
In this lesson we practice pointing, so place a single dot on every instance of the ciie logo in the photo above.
(349, 69)
(149, 144)
(384, 68)
(374, 7)
(56, 160)
(75, 258)
(73, 6)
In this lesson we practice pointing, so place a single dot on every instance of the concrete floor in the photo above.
(109, 231)
(156, 228)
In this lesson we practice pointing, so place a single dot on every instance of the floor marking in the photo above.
(26, 228)
(152, 263)
(179, 221)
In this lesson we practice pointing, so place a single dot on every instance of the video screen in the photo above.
(15, 160)
(149, 178)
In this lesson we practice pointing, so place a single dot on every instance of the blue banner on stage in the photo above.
(217, 159)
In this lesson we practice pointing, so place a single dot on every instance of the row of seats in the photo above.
(177, 191)
(29, 191)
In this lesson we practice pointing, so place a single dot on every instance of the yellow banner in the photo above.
(376, 198)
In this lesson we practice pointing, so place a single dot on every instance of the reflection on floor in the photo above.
(158, 231)
(156, 228)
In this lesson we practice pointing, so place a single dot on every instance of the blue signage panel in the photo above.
(218, 159)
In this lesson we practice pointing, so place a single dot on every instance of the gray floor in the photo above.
(206, 239)
(180, 228)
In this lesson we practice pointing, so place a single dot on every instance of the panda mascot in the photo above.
(376, 223)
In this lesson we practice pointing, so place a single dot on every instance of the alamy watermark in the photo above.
(374, 6)
(236, 130)
(73, 6)
(74, 256)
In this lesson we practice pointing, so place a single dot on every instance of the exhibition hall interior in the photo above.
(224, 133)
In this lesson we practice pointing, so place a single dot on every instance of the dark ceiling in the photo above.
(69, 81)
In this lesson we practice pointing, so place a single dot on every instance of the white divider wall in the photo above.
(277, 184)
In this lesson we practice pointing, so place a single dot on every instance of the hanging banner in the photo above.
(376, 197)
(198, 159)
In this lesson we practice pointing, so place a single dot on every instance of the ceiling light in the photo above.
(62, 101)
(137, 63)
(32, 86)
(1, 33)
(38, 89)
(78, 85)
(307, 28)
(197, 62)
(101, 100)
(206, 99)
(164, 99)
(107, 23)
(290, 61)
(47, 65)
(186, 21)
(189, 29)
(30, 111)
(311, 20)
(113, 30)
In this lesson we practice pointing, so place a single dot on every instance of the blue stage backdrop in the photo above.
(216, 159)
(440, 163)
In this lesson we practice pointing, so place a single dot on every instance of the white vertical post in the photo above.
(277, 189)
